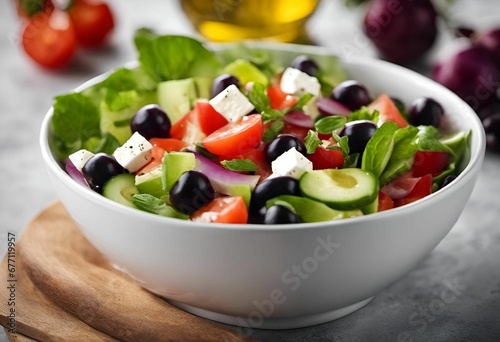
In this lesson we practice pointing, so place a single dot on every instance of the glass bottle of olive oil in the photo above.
(232, 20)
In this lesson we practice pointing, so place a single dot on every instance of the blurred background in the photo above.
(27, 91)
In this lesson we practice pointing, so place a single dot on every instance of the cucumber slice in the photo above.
(120, 189)
(174, 165)
(343, 189)
(312, 211)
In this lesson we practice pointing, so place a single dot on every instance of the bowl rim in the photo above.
(476, 158)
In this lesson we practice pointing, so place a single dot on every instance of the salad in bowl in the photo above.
(262, 185)
(251, 140)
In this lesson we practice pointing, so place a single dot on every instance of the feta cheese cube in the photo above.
(231, 103)
(311, 108)
(135, 153)
(296, 82)
(291, 163)
(80, 158)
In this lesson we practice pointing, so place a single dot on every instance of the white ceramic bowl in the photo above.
(285, 276)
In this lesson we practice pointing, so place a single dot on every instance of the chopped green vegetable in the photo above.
(154, 205)
(273, 130)
(328, 124)
(312, 141)
(167, 58)
(245, 165)
(379, 148)
(364, 114)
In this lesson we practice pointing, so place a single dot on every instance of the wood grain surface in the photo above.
(67, 291)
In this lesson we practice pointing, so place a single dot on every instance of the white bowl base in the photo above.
(276, 324)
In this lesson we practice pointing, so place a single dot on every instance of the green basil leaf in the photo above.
(364, 114)
(328, 124)
(312, 142)
(245, 165)
(379, 148)
(155, 205)
(273, 130)
(403, 154)
(343, 143)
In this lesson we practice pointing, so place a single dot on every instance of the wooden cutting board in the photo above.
(67, 291)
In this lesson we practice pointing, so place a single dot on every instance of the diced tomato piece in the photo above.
(236, 137)
(385, 202)
(326, 159)
(388, 111)
(187, 128)
(280, 100)
(433, 162)
(297, 131)
(422, 189)
(208, 118)
(162, 145)
(226, 209)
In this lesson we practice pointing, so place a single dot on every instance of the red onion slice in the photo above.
(75, 174)
(401, 186)
(327, 106)
(300, 119)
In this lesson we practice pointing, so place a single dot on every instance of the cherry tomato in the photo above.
(93, 22)
(236, 137)
(49, 39)
(384, 202)
(422, 189)
(433, 162)
(208, 118)
(323, 158)
(28, 8)
(388, 110)
(223, 210)
(280, 100)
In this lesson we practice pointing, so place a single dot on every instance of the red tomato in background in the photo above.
(236, 137)
(49, 39)
(280, 100)
(208, 118)
(323, 158)
(433, 162)
(226, 209)
(422, 189)
(93, 22)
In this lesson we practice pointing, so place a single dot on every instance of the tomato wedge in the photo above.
(208, 118)
(49, 39)
(93, 22)
(385, 202)
(422, 189)
(433, 162)
(388, 111)
(278, 99)
(187, 128)
(236, 137)
(326, 159)
(229, 209)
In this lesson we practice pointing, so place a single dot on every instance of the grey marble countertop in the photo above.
(466, 262)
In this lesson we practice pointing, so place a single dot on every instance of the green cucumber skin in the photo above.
(310, 182)
(120, 189)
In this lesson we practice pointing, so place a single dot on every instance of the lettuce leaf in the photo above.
(166, 58)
